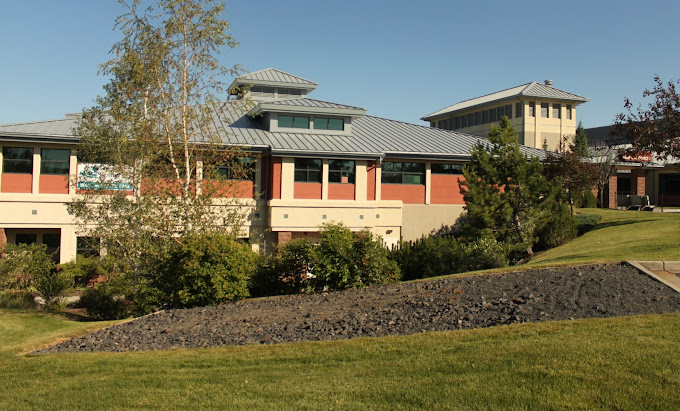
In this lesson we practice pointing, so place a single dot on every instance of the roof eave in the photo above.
(280, 108)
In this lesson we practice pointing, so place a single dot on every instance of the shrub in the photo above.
(585, 200)
(428, 257)
(207, 269)
(585, 222)
(286, 272)
(29, 265)
(484, 253)
(17, 299)
(85, 271)
(556, 227)
(105, 301)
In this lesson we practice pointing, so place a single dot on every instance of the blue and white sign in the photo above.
(92, 176)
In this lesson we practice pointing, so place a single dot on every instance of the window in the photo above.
(341, 171)
(322, 123)
(293, 122)
(308, 170)
(485, 116)
(262, 92)
(52, 242)
(403, 173)
(508, 111)
(87, 246)
(569, 114)
(478, 116)
(241, 168)
(447, 168)
(54, 162)
(532, 109)
(544, 110)
(17, 160)
(464, 122)
(289, 93)
(557, 111)
(25, 238)
(518, 110)
(471, 119)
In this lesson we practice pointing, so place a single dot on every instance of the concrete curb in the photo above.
(647, 266)
(668, 266)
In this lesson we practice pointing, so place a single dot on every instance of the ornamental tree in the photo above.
(656, 128)
(504, 190)
(153, 138)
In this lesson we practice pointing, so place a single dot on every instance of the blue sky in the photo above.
(398, 59)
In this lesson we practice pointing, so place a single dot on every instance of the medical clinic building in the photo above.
(316, 162)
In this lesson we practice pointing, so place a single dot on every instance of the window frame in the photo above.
(532, 109)
(305, 169)
(249, 165)
(569, 113)
(18, 161)
(546, 107)
(557, 108)
(401, 173)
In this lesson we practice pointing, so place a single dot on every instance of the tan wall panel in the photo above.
(419, 220)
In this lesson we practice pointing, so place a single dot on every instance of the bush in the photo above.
(585, 200)
(105, 301)
(557, 227)
(29, 265)
(207, 269)
(17, 299)
(484, 253)
(85, 271)
(342, 259)
(286, 272)
(585, 222)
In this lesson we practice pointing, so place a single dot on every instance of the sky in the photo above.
(397, 59)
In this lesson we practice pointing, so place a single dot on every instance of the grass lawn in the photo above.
(621, 235)
(627, 362)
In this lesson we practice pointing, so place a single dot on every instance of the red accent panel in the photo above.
(408, 193)
(340, 191)
(54, 184)
(311, 191)
(370, 168)
(17, 183)
(275, 189)
(445, 189)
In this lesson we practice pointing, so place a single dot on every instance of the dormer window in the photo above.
(294, 122)
(289, 93)
(262, 92)
(324, 123)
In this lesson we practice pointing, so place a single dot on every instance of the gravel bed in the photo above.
(452, 303)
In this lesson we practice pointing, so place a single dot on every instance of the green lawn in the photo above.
(614, 363)
(621, 235)
(621, 363)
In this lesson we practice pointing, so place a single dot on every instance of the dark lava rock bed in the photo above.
(452, 303)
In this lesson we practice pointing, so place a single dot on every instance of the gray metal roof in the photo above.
(533, 89)
(308, 102)
(273, 77)
(306, 105)
(371, 137)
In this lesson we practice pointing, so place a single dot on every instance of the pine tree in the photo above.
(580, 145)
(504, 189)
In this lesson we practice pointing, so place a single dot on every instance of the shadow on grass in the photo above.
(600, 226)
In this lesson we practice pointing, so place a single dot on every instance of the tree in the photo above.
(151, 139)
(504, 189)
(580, 145)
(575, 173)
(604, 161)
(655, 129)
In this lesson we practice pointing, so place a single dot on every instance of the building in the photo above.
(317, 162)
(636, 174)
(539, 112)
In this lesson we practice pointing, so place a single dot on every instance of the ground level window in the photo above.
(341, 171)
(308, 170)
(447, 168)
(25, 238)
(88, 247)
(17, 160)
(403, 173)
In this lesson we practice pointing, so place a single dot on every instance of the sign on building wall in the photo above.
(641, 157)
(92, 176)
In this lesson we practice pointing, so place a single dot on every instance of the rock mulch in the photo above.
(435, 305)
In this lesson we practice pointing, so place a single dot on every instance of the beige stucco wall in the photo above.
(421, 219)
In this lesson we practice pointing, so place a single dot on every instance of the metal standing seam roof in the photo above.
(533, 89)
(371, 137)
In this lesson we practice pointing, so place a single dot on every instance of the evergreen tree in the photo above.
(504, 190)
(580, 145)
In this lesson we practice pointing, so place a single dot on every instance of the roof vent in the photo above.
(548, 83)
